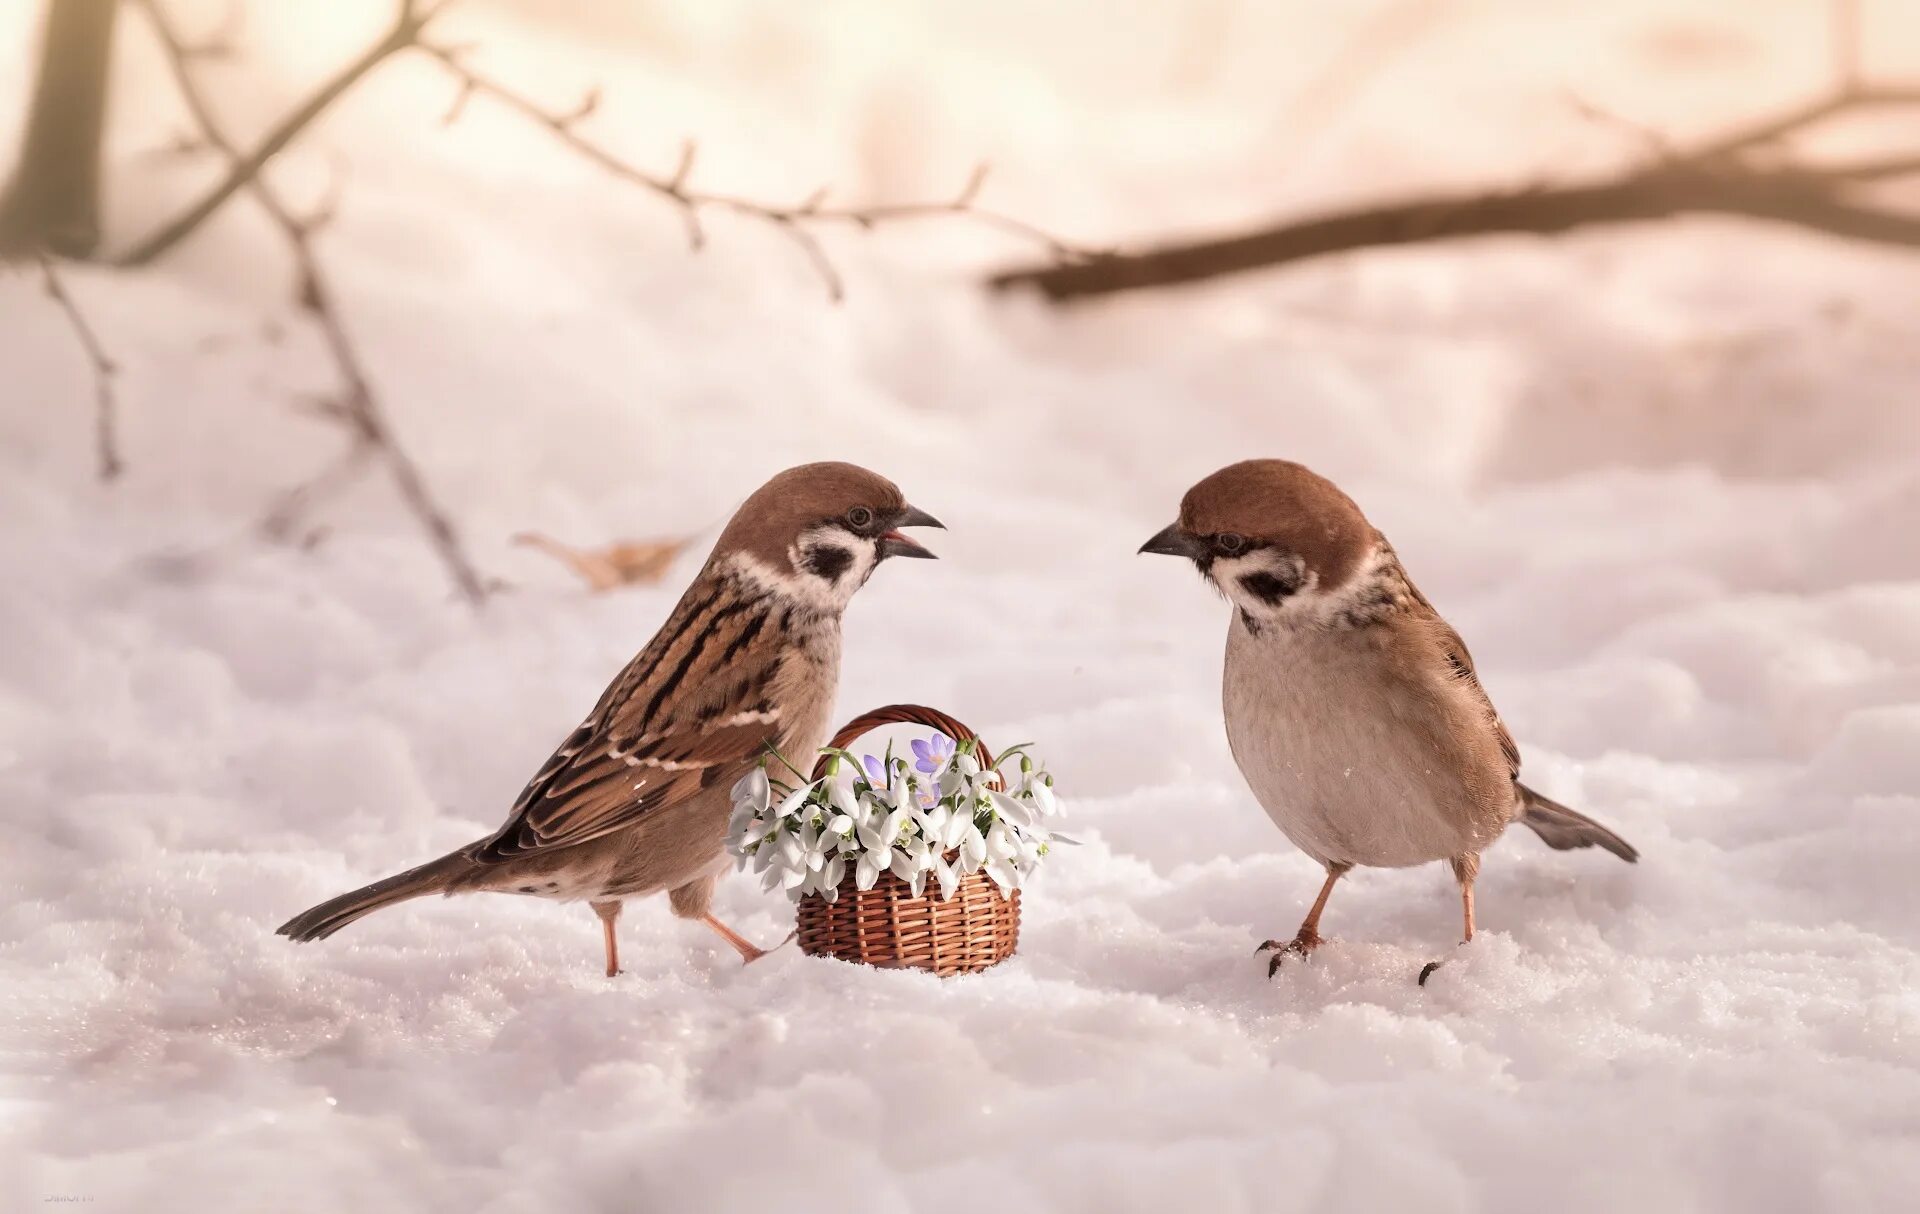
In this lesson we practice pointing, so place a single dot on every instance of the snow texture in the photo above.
(1666, 482)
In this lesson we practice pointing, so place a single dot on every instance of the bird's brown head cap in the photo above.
(830, 523)
(1272, 524)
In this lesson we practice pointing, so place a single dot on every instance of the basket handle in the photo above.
(905, 714)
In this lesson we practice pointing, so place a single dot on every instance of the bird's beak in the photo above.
(895, 544)
(1175, 541)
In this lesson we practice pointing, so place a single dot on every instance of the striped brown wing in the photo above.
(1455, 651)
(694, 709)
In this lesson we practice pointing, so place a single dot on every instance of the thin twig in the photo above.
(357, 406)
(106, 420)
(244, 167)
(1658, 146)
(295, 503)
(796, 222)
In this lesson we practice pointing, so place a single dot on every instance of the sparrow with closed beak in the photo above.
(1352, 708)
(635, 801)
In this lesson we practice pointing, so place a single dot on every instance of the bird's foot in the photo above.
(1305, 942)
(751, 954)
(1427, 970)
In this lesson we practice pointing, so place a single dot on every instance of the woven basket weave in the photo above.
(887, 926)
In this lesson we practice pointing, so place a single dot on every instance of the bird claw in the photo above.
(1299, 946)
(758, 953)
(1426, 971)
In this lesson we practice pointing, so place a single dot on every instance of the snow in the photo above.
(1666, 483)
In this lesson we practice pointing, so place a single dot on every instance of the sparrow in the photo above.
(1352, 708)
(635, 801)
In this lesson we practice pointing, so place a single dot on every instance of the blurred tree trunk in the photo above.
(53, 200)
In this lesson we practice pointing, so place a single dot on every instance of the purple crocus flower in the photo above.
(931, 754)
(876, 770)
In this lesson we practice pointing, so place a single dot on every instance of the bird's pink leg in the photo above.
(608, 912)
(748, 950)
(1308, 937)
(1465, 868)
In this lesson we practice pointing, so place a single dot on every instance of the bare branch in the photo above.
(1722, 176)
(106, 421)
(245, 167)
(795, 222)
(356, 407)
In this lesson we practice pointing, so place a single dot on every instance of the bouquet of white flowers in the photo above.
(942, 815)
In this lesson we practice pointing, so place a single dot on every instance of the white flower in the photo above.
(840, 796)
(1000, 843)
(1043, 798)
(1004, 874)
(814, 846)
(892, 817)
(752, 789)
(973, 846)
(933, 822)
(791, 803)
(869, 866)
(948, 875)
(878, 833)
(1011, 809)
(750, 793)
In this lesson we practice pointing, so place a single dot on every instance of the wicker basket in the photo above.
(887, 926)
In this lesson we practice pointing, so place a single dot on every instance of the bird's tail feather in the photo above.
(335, 913)
(1562, 828)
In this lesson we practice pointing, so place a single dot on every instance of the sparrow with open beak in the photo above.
(635, 801)
(1352, 708)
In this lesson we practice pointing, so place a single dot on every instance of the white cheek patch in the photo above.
(823, 571)
(1264, 583)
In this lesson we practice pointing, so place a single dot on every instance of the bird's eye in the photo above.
(860, 516)
(1229, 542)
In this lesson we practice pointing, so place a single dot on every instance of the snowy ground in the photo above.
(1666, 483)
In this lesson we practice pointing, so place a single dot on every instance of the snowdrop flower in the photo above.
(1004, 874)
(868, 867)
(814, 846)
(973, 846)
(1000, 843)
(933, 821)
(1011, 810)
(879, 832)
(750, 794)
(948, 875)
(751, 790)
(840, 795)
(936, 816)
(1043, 798)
